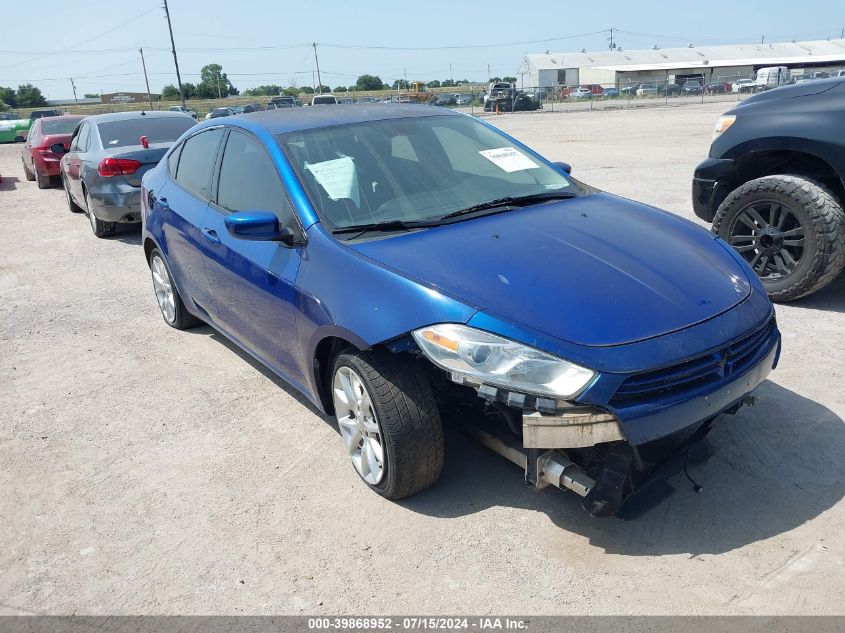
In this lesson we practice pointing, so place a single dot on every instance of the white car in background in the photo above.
(178, 108)
(743, 85)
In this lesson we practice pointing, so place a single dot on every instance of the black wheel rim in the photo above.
(770, 237)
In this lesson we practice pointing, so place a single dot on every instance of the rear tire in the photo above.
(399, 411)
(43, 182)
(100, 228)
(173, 309)
(803, 215)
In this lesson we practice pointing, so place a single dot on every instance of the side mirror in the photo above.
(58, 148)
(566, 167)
(259, 226)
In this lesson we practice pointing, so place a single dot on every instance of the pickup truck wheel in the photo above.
(388, 421)
(790, 230)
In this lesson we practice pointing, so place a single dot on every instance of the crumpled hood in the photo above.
(596, 270)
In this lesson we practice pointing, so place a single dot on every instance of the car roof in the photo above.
(295, 119)
(124, 116)
(63, 117)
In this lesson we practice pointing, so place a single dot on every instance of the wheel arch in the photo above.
(332, 341)
(781, 161)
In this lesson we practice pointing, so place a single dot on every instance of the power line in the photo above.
(90, 39)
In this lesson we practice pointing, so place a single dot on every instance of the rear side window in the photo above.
(156, 129)
(196, 162)
(248, 181)
(62, 126)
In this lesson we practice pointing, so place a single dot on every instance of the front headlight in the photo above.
(723, 124)
(501, 362)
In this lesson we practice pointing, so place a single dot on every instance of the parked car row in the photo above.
(314, 240)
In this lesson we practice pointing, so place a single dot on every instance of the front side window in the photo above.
(418, 169)
(248, 181)
(196, 162)
(82, 138)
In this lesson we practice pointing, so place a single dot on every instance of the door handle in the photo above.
(211, 236)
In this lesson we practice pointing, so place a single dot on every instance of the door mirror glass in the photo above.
(58, 148)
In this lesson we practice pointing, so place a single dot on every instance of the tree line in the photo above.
(26, 96)
(214, 84)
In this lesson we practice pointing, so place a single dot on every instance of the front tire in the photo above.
(389, 422)
(100, 228)
(71, 205)
(790, 230)
(27, 174)
(170, 302)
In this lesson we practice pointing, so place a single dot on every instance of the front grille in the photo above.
(710, 368)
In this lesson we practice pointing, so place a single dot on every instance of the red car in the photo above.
(39, 163)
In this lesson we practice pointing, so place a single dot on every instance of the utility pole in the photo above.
(72, 85)
(317, 64)
(612, 45)
(219, 96)
(762, 39)
(451, 76)
(488, 73)
(144, 64)
(175, 60)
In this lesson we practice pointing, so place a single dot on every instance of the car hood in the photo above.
(804, 89)
(596, 270)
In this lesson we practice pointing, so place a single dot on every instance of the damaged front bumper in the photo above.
(607, 452)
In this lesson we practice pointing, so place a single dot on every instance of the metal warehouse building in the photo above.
(712, 63)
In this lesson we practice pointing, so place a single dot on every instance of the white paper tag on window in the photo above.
(509, 159)
(338, 178)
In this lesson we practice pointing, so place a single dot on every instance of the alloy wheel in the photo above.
(770, 237)
(358, 424)
(163, 289)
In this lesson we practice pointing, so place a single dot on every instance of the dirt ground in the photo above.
(145, 470)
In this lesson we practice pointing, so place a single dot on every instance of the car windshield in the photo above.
(221, 111)
(414, 170)
(130, 131)
(62, 126)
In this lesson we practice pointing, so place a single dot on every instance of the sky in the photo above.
(261, 42)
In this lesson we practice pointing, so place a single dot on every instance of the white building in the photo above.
(712, 63)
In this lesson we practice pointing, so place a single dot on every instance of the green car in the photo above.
(12, 130)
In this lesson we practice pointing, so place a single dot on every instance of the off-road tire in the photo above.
(100, 228)
(408, 417)
(817, 208)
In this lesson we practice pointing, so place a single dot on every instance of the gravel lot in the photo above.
(145, 470)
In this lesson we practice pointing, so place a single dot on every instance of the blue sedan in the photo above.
(402, 265)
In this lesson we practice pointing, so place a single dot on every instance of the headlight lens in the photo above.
(723, 124)
(501, 362)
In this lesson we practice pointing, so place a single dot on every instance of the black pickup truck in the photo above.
(774, 185)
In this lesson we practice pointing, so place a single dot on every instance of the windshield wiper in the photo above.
(390, 225)
(515, 201)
